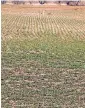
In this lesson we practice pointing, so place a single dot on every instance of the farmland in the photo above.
(43, 57)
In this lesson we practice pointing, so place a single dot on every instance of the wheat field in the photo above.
(43, 57)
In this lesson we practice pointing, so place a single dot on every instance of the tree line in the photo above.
(71, 3)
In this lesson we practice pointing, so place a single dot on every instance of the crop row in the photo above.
(29, 25)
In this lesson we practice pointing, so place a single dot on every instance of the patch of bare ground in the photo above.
(29, 8)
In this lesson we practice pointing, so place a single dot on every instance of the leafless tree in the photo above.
(3, 1)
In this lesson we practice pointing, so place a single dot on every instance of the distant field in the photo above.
(43, 57)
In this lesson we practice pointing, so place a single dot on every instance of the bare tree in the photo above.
(42, 1)
(3, 1)
(18, 2)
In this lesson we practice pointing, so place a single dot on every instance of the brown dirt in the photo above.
(26, 8)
